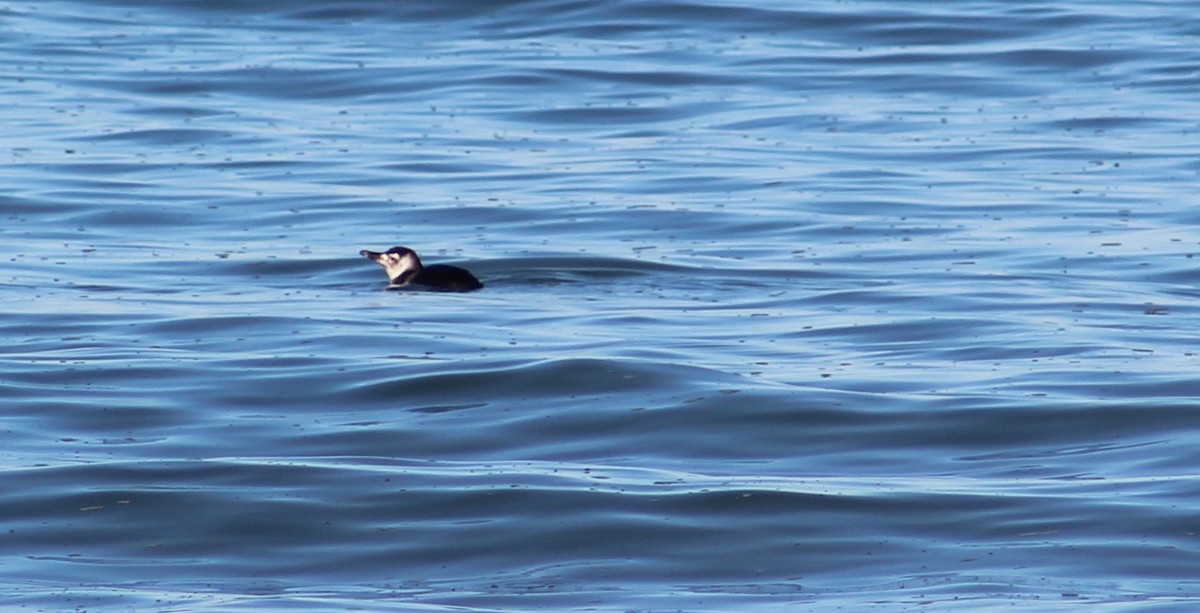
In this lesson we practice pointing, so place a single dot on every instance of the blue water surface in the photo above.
(843, 306)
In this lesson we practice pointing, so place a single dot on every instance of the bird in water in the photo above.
(404, 268)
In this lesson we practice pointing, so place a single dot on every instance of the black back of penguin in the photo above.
(448, 278)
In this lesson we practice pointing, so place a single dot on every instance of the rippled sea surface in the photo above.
(855, 305)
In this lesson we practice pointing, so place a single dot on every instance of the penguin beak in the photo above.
(370, 255)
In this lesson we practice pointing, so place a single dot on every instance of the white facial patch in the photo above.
(399, 266)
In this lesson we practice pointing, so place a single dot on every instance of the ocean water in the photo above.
(853, 305)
